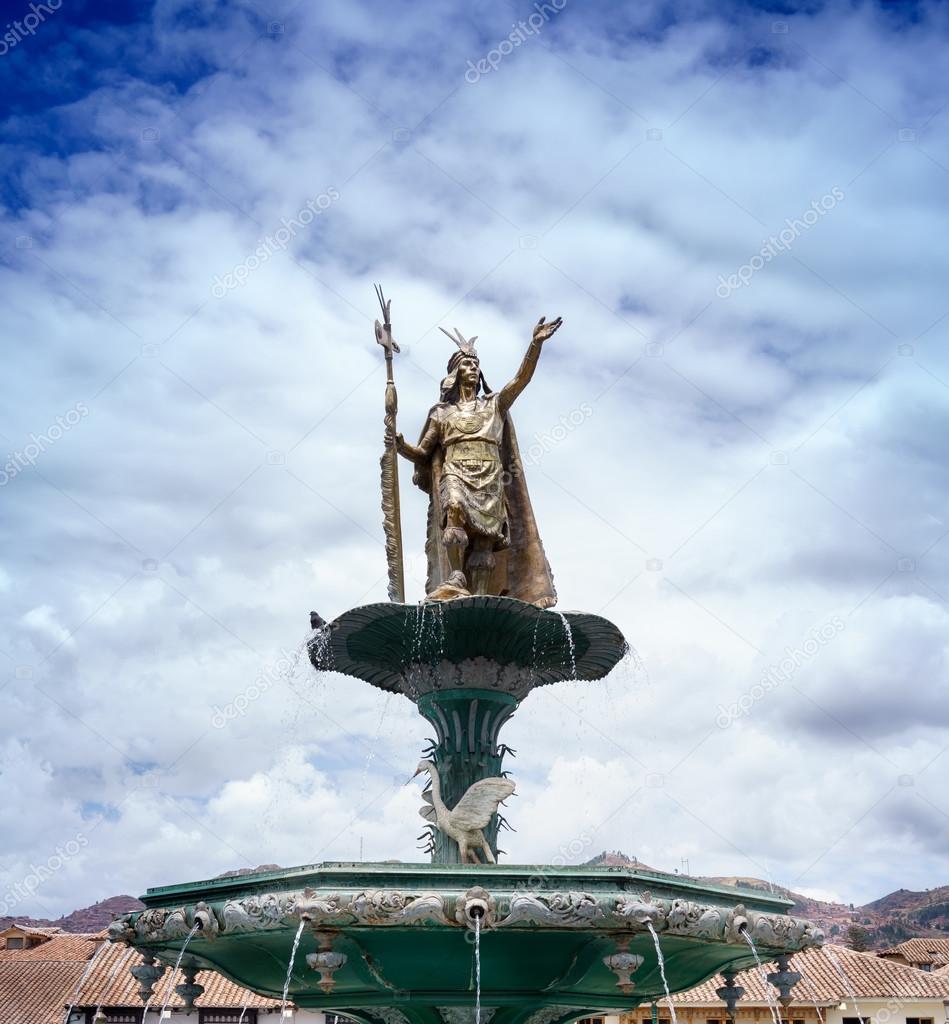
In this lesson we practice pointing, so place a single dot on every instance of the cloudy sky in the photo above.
(736, 440)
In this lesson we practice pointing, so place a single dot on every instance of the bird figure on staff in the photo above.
(482, 537)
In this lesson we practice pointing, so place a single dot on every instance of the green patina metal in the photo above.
(382, 643)
(467, 664)
(467, 723)
(392, 943)
(405, 935)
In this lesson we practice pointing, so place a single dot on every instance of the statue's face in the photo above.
(469, 371)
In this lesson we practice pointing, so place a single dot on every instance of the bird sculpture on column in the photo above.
(469, 816)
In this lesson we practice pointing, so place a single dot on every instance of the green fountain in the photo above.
(464, 938)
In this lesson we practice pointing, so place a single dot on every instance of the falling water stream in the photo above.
(370, 756)
(293, 956)
(537, 622)
(662, 970)
(171, 981)
(82, 980)
(477, 945)
(571, 649)
(848, 988)
(768, 994)
(810, 988)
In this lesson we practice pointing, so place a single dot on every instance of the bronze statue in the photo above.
(482, 537)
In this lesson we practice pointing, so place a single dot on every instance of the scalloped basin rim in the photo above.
(452, 876)
(381, 643)
(398, 935)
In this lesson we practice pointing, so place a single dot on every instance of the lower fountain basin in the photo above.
(393, 943)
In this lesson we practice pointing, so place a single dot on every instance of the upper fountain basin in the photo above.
(494, 643)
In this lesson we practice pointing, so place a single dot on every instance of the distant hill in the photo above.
(903, 914)
(89, 919)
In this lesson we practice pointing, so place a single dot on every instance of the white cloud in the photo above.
(225, 481)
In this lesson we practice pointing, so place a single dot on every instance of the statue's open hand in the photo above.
(544, 330)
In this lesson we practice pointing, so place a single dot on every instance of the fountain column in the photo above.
(466, 723)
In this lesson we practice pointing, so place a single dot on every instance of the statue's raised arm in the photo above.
(523, 376)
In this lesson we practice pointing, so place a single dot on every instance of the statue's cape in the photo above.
(522, 570)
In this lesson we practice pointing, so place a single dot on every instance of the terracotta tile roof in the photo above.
(921, 951)
(29, 929)
(64, 947)
(110, 984)
(36, 992)
(37, 984)
(870, 976)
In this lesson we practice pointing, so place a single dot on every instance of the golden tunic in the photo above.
(470, 434)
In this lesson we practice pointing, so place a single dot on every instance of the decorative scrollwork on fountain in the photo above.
(696, 921)
(642, 910)
(462, 1014)
(391, 907)
(553, 1014)
(260, 912)
(317, 908)
(777, 931)
(478, 673)
(387, 1015)
(555, 909)
(156, 925)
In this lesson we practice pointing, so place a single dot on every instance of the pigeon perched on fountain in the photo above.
(465, 821)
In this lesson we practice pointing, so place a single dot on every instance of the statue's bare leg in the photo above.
(481, 563)
(455, 538)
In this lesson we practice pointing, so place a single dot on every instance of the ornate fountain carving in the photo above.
(730, 993)
(784, 979)
(147, 974)
(189, 990)
(326, 962)
(623, 964)
(555, 910)
(386, 907)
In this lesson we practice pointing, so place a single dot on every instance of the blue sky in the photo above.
(735, 442)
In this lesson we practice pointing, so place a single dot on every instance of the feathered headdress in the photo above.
(466, 347)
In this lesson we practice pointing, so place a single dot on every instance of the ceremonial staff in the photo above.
(391, 509)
